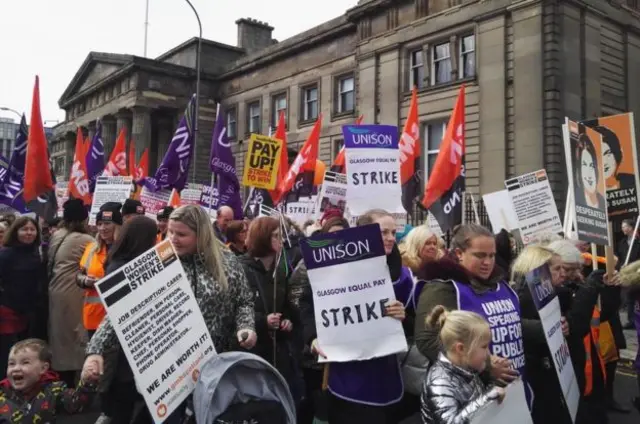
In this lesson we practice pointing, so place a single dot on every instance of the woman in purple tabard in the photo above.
(469, 280)
(366, 391)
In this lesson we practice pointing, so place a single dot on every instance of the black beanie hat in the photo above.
(110, 212)
(73, 210)
(165, 212)
(132, 207)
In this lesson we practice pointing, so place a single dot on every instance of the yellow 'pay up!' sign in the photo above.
(262, 162)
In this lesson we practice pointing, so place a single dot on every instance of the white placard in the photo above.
(433, 225)
(159, 325)
(300, 211)
(191, 194)
(500, 210)
(333, 193)
(351, 284)
(154, 201)
(512, 410)
(109, 189)
(534, 205)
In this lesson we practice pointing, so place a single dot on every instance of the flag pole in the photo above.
(146, 27)
(197, 108)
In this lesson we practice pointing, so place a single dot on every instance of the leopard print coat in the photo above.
(225, 312)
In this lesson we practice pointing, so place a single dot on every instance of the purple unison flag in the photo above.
(174, 169)
(12, 185)
(95, 157)
(223, 166)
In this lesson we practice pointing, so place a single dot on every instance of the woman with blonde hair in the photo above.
(419, 247)
(216, 278)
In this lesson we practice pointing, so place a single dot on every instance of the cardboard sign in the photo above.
(262, 162)
(351, 284)
(159, 325)
(109, 189)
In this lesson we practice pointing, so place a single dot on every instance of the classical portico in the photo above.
(145, 97)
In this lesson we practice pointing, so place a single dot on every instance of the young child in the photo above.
(32, 393)
(453, 392)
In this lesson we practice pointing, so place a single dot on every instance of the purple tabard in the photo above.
(375, 381)
(501, 309)
(637, 308)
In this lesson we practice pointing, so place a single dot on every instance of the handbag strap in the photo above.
(52, 263)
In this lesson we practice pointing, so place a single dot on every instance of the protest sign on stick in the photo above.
(109, 189)
(262, 162)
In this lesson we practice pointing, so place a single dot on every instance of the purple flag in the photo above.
(174, 169)
(95, 157)
(12, 184)
(223, 166)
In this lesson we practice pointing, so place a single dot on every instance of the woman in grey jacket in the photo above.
(453, 391)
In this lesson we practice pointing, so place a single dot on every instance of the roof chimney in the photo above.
(253, 35)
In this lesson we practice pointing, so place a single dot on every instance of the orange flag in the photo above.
(117, 165)
(85, 146)
(305, 162)
(78, 181)
(174, 199)
(449, 163)
(132, 159)
(409, 147)
(140, 171)
(37, 172)
(281, 134)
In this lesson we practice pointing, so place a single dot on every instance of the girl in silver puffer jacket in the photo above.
(453, 392)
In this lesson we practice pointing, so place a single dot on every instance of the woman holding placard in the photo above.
(367, 391)
(218, 282)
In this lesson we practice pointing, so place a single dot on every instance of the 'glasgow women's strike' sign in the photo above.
(373, 166)
(351, 286)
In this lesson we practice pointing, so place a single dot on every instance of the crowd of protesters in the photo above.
(253, 290)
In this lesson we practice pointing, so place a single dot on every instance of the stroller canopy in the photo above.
(238, 377)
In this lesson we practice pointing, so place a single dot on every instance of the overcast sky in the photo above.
(51, 38)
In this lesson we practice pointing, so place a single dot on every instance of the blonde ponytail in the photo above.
(457, 326)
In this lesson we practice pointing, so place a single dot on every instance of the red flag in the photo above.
(338, 163)
(139, 172)
(174, 199)
(37, 172)
(281, 134)
(132, 159)
(409, 147)
(449, 163)
(78, 181)
(117, 164)
(305, 162)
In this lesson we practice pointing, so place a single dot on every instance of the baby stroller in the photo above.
(242, 388)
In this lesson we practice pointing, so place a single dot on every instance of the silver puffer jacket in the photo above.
(452, 395)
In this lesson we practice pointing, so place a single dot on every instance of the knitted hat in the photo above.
(164, 212)
(132, 207)
(74, 211)
(110, 212)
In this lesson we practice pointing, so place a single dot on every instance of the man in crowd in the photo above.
(224, 217)
(628, 242)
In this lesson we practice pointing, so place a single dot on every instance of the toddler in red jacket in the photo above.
(32, 393)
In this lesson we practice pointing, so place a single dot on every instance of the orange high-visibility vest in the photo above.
(594, 335)
(92, 262)
(160, 237)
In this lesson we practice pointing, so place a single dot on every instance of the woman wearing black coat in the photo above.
(276, 318)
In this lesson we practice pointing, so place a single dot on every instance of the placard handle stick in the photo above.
(475, 209)
(611, 257)
(211, 194)
(633, 240)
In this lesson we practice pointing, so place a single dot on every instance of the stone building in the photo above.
(526, 64)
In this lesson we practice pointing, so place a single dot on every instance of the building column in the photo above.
(69, 140)
(141, 130)
(164, 133)
(108, 135)
(91, 128)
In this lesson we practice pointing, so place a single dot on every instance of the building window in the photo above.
(253, 117)
(337, 146)
(441, 64)
(433, 133)
(232, 123)
(346, 94)
(416, 72)
(278, 103)
(467, 56)
(310, 103)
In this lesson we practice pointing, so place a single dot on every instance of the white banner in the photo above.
(534, 205)
(512, 410)
(373, 168)
(333, 193)
(351, 285)
(300, 211)
(109, 189)
(159, 325)
(500, 210)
